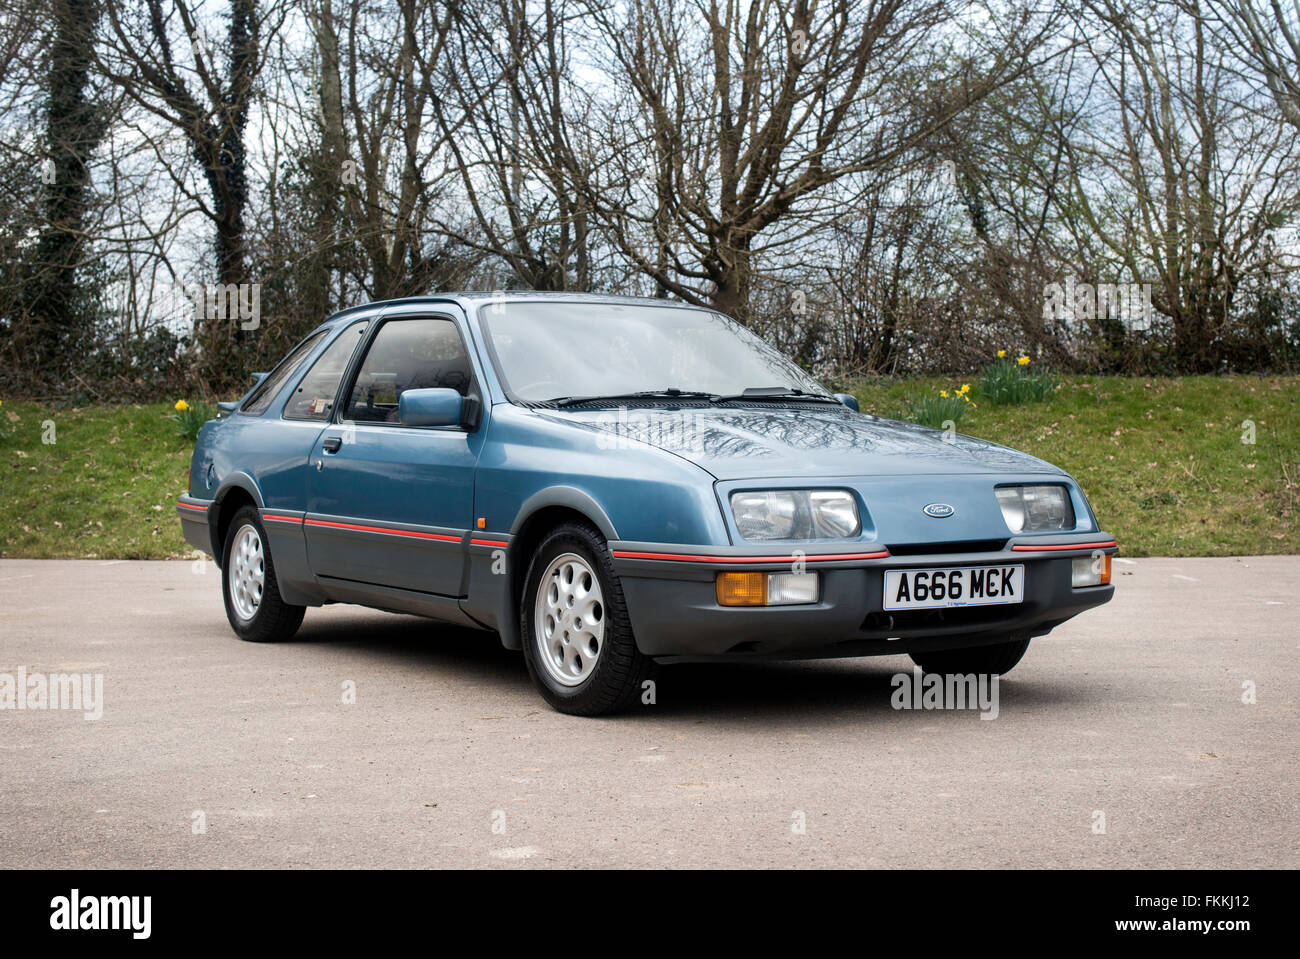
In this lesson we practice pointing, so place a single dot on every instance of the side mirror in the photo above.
(849, 400)
(436, 407)
(471, 412)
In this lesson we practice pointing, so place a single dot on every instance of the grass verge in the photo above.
(1162, 461)
(105, 488)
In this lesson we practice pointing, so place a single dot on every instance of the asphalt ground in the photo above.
(1126, 738)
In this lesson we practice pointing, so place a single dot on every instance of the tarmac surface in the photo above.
(1127, 738)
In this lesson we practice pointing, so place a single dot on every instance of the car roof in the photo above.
(470, 298)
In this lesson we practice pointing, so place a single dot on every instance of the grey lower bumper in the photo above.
(194, 523)
(675, 614)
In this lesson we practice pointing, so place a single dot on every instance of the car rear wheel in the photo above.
(999, 658)
(578, 640)
(254, 606)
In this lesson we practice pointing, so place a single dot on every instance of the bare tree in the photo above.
(874, 185)
(161, 55)
(1178, 180)
(377, 134)
(1267, 35)
(744, 115)
(505, 114)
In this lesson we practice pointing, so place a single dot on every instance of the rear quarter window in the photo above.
(266, 391)
(314, 397)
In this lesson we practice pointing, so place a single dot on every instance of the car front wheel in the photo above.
(999, 658)
(254, 606)
(578, 639)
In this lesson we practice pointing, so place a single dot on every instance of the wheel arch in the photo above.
(570, 498)
(237, 491)
(540, 513)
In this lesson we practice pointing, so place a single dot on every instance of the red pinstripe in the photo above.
(380, 529)
(693, 558)
(1038, 549)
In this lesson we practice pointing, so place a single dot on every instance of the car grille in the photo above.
(913, 620)
(968, 546)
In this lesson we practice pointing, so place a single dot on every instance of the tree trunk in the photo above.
(59, 307)
(731, 277)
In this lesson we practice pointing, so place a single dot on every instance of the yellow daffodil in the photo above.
(182, 406)
(944, 394)
(965, 388)
(1001, 353)
(1023, 361)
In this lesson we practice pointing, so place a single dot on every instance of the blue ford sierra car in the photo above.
(612, 483)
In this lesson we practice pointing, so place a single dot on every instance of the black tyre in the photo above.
(254, 606)
(577, 638)
(999, 658)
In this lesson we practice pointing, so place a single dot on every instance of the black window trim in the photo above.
(359, 357)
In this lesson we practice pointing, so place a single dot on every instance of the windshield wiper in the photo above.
(771, 393)
(752, 393)
(669, 393)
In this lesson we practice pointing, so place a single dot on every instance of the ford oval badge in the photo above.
(938, 510)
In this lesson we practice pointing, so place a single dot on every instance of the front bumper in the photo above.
(675, 615)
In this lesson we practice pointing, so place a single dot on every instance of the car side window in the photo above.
(314, 397)
(266, 391)
(406, 355)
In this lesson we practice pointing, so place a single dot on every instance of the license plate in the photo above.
(960, 586)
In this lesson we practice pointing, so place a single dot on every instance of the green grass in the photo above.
(1161, 460)
(105, 489)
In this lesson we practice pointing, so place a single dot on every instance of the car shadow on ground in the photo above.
(684, 692)
(826, 689)
(424, 643)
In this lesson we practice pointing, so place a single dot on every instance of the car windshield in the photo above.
(555, 351)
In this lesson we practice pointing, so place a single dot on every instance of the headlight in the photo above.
(796, 514)
(1036, 509)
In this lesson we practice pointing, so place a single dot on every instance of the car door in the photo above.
(389, 505)
(281, 447)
